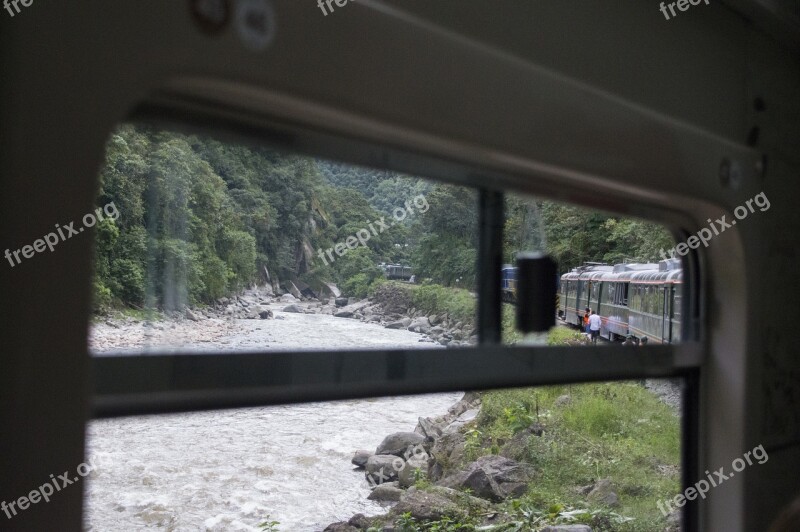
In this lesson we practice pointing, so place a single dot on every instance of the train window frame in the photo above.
(183, 382)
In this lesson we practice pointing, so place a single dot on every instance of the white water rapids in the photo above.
(231, 470)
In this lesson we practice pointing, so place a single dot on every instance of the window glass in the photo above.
(603, 260)
(218, 246)
(605, 455)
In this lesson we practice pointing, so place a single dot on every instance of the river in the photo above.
(232, 469)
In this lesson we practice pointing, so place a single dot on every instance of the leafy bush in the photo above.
(357, 286)
(436, 299)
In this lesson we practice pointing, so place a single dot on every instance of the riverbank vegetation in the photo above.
(201, 219)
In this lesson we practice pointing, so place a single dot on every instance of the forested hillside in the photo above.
(200, 219)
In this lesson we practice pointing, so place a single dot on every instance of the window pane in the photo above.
(611, 265)
(219, 246)
(603, 454)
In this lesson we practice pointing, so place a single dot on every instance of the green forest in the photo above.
(201, 219)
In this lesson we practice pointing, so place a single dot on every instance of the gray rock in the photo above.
(491, 477)
(382, 468)
(603, 493)
(293, 308)
(360, 521)
(428, 428)
(395, 325)
(288, 298)
(449, 449)
(360, 458)
(343, 314)
(340, 302)
(414, 467)
(385, 492)
(190, 315)
(266, 314)
(425, 506)
(462, 419)
(400, 443)
(420, 325)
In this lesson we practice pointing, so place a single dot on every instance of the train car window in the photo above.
(260, 281)
(600, 257)
(218, 246)
(604, 455)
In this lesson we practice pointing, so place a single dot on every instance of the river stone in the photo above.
(408, 475)
(425, 506)
(382, 468)
(360, 521)
(449, 449)
(399, 443)
(464, 499)
(360, 458)
(428, 428)
(343, 314)
(293, 308)
(340, 301)
(395, 325)
(420, 325)
(265, 314)
(288, 298)
(491, 477)
(385, 492)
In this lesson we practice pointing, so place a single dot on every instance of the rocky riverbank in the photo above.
(390, 308)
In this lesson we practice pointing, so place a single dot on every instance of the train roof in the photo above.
(664, 271)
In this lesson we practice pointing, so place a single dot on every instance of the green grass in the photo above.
(614, 430)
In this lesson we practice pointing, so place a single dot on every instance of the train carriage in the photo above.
(640, 300)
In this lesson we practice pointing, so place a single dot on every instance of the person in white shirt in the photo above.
(594, 326)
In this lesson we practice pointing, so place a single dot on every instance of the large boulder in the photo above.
(382, 468)
(343, 314)
(340, 302)
(293, 308)
(360, 458)
(385, 492)
(447, 451)
(415, 467)
(265, 314)
(425, 506)
(420, 325)
(400, 443)
(491, 477)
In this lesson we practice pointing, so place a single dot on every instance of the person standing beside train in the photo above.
(586, 314)
(594, 326)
